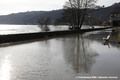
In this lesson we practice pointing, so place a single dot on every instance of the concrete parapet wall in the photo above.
(31, 36)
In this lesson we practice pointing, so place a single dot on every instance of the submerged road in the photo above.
(41, 35)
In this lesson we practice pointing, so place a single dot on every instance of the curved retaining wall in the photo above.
(31, 36)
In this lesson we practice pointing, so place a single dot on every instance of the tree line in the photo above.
(74, 14)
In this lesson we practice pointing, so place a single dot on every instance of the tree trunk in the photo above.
(83, 18)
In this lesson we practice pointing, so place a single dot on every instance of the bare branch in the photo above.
(75, 12)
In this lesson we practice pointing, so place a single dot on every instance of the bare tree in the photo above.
(44, 22)
(75, 11)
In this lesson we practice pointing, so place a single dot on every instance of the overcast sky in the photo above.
(14, 6)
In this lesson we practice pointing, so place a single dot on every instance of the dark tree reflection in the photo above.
(79, 54)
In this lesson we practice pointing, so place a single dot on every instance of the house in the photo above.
(115, 17)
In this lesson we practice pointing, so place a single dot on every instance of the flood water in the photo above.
(64, 58)
(16, 29)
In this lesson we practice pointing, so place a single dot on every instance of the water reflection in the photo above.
(61, 58)
(79, 54)
(5, 69)
(106, 43)
(113, 41)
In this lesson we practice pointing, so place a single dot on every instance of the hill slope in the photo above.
(33, 17)
(29, 17)
(103, 14)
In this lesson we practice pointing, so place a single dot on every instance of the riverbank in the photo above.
(42, 35)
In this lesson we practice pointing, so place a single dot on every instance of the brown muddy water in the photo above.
(74, 57)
